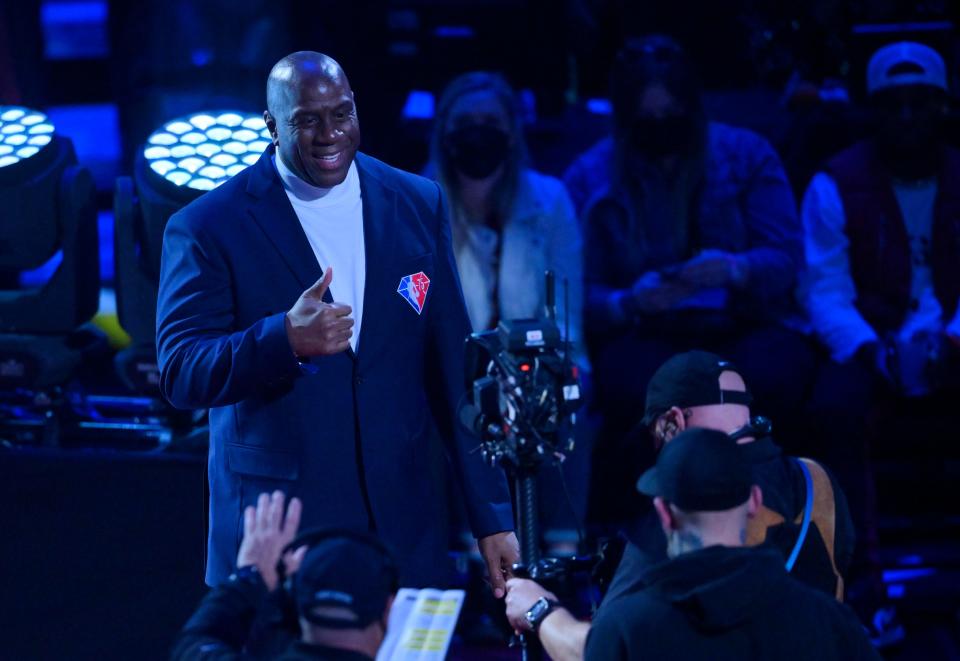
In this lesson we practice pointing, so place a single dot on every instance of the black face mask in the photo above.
(909, 125)
(656, 138)
(477, 151)
(910, 149)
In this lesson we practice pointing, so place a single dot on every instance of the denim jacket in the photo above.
(746, 206)
(540, 233)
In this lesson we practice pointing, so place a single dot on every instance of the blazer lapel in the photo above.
(275, 215)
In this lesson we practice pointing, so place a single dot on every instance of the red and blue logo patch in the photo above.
(414, 289)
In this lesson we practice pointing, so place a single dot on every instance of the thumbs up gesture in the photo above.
(316, 328)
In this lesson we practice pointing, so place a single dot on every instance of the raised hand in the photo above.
(267, 529)
(316, 328)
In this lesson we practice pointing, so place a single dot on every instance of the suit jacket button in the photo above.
(358, 380)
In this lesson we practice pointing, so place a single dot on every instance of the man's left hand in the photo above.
(266, 531)
(522, 594)
(500, 551)
(714, 268)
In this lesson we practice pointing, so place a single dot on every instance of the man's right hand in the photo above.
(316, 328)
(522, 594)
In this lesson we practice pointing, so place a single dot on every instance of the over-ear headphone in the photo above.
(314, 537)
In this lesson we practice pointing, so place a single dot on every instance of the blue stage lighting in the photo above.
(23, 134)
(204, 149)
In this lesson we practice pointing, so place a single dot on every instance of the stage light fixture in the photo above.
(48, 217)
(23, 134)
(180, 161)
(203, 150)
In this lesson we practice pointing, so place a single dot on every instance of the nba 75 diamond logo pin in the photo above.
(414, 289)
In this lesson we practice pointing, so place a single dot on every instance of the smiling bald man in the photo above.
(312, 304)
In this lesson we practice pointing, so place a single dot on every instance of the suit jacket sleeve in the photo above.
(204, 359)
(485, 487)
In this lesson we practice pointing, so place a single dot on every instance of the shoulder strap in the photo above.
(807, 514)
(824, 514)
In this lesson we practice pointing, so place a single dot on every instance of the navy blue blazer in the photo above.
(350, 434)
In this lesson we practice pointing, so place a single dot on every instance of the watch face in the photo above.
(537, 612)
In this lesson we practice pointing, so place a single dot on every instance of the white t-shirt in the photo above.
(332, 219)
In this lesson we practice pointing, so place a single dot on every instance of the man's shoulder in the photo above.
(543, 186)
(208, 211)
(633, 615)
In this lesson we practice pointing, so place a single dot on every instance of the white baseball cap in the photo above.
(905, 63)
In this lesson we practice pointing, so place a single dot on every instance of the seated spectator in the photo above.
(510, 224)
(692, 240)
(698, 390)
(714, 598)
(342, 587)
(883, 269)
(882, 242)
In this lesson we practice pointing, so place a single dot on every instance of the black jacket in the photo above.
(726, 603)
(784, 491)
(220, 628)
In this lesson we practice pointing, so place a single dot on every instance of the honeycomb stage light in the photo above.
(48, 214)
(201, 151)
(180, 161)
(24, 134)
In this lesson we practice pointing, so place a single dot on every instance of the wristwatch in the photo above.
(248, 574)
(540, 609)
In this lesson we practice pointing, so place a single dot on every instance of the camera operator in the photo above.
(714, 597)
(697, 389)
(342, 588)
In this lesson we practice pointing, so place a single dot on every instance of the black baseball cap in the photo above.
(701, 470)
(690, 379)
(346, 572)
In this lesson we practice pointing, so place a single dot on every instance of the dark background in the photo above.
(101, 549)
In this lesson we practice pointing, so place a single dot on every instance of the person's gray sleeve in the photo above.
(605, 225)
(565, 258)
(578, 186)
